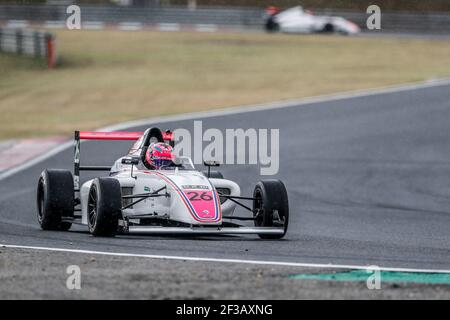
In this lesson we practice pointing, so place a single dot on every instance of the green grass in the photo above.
(385, 276)
(109, 76)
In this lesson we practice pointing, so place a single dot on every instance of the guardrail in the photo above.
(28, 42)
(150, 15)
(433, 22)
(250, 18)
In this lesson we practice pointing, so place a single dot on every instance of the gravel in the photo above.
(30, 274)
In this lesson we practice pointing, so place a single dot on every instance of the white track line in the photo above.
(93, 25)
(54, 24)
(206, 27)
(257, 262)
(238, 110)
(169, 27)
(130, 26)
(281, 104)
(17, 24)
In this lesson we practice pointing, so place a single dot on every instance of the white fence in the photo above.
(28, 42)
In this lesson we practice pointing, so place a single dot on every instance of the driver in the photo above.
(159, 155)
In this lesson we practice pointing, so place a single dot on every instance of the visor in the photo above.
(161, 163)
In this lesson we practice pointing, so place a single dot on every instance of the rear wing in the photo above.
(168, 137)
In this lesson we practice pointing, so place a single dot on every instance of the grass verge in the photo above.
(105, 77)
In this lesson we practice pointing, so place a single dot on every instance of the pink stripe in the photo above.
(193, 214)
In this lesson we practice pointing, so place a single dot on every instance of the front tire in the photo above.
(55, 199)
(104, 207)
(271, 206)
(328, 28)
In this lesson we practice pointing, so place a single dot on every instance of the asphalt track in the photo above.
(368, 179)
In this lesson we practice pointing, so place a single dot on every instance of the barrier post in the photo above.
(19, 42)
(36, 44)
(51, 52)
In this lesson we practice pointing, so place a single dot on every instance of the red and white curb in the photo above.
(124, 26)
(17, 152)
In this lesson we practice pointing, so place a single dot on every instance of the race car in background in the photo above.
(297, 20)
(174, 199)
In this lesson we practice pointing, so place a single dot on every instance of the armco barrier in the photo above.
(29, 42)
(151, 15)
(251, 18)
(430, 23)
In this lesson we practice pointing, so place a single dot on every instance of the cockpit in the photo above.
(153, 136)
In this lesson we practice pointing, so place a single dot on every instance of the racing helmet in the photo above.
(272, 10)
(159, 155)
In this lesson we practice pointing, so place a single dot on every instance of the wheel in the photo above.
(55, 199)
(214, 174)
(329, 28)
(104, 207)
(271, 206)
(271, 25)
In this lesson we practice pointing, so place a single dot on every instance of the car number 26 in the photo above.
(199, 195)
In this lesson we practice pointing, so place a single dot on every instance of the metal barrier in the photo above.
(28, 42)
(433, 22)
(150, 15)
(253, 18)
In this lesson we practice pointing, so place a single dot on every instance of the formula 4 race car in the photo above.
(172, 200)
(297, 20)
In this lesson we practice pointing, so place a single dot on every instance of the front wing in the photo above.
(205, 230)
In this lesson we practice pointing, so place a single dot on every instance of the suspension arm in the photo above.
(236, 197)
(143, 197)
(231, 198)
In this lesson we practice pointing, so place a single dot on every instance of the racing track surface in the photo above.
(368, 181)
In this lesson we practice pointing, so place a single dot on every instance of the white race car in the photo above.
(297, 20)
(174, 200)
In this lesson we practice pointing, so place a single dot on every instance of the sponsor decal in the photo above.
(74, 280)
(373, 22)
(195, 187)
(196, 201)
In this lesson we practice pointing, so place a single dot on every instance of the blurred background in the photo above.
(135, 59)
(416, 5)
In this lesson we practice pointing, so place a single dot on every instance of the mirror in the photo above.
(211, 163)
(130, 160)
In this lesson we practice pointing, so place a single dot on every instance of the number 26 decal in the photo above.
(196, 196)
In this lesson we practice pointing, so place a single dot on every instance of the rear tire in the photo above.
(55, 199)
(271, 26)
(104, 207)
(271, 206)
(328, 28)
